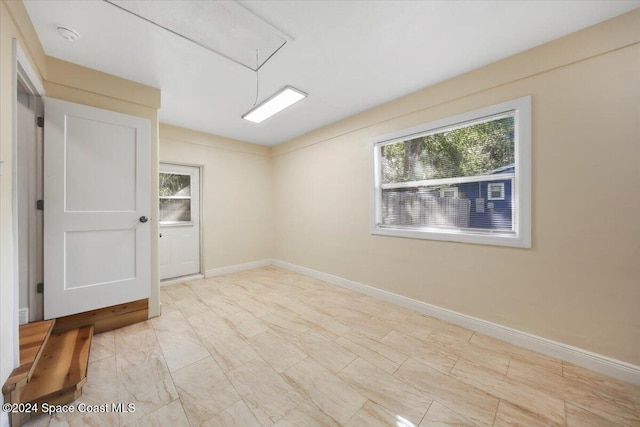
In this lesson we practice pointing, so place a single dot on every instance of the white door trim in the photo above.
(22, 71)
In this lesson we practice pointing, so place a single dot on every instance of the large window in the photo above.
(465, 178)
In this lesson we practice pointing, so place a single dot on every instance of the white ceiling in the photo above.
(349, 56)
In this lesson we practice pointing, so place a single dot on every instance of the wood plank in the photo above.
(32, 339)
(32, 345)
(108, 318)
(63, 364)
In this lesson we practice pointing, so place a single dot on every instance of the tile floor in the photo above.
(270, 347)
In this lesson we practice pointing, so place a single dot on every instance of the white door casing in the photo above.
(97, 173)
(179, 246)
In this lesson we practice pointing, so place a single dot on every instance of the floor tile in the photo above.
(364, 324)
(378, 386)
(102, 385)
(171, 414)
(171, 323)
(208, 323)
(191, 307)
(180, 292)
(439, 415)
(428, 353)
(236, 415)
(269, 396)
(609, 406)
(288, 326)
(332, 395)
(328, 353)
(138, 336)
(306, 414)
(611, 388)
(509, 415)
(102, 345)
(546, 407)
(375, 352)
(182, 349)
(204, 390)
(461, 398)
(535, 359)
(373, 415)
(324, 324)
(166, 303)
(479, 355)
(245, 324)
(229, 350)
(579, 417)
(147, 384)
(276, 351)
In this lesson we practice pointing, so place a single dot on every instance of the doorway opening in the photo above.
(28, 191)
(180, 239)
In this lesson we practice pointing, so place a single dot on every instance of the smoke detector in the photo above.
(68, 34)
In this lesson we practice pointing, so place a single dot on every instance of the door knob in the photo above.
(143, 219)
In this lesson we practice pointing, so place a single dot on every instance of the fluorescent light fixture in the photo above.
(285, 97)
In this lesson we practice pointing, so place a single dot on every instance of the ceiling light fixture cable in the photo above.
(257, 79)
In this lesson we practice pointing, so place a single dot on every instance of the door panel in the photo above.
(179, 220)
(97, 185)
(100, 166)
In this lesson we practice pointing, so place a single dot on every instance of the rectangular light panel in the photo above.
(284, 98)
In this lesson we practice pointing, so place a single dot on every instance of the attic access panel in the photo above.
(223, 27)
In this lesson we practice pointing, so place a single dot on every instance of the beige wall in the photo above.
(580, 282)
(236, 185)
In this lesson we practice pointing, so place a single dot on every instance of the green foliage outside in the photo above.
(472, 150)
(174, 185)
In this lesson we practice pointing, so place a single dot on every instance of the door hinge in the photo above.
(40, 288)
(40, 121)
(40, 205)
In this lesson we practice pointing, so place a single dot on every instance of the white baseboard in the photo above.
(182, 279)
(237, 267)
(23, 316)
(614, 368)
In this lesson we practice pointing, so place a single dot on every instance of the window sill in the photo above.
(481, 238)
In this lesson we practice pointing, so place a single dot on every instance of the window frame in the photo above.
(521, 235)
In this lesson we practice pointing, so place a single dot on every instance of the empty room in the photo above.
(320, 213)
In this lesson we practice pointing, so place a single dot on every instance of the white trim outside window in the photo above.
(520, 233)
(493, 188)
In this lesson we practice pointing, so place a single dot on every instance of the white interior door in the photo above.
(179, 220)
(97, 173)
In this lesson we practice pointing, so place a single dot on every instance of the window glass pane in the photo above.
(466, 206)
(479, 148)
(175, 210)
(172, 185)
